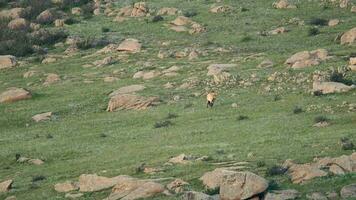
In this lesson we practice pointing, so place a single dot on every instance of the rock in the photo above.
(177, 186)
(124, 187)
(301, 173)
(306, 59)
(277, 31)
(192, 195)
(127, 90)
(18, 24)
(51, 79)
(168, 11)
(7, 61)
(352, 65)
(348, 37)
(220, 9)
(181, 21)
(146, 75)
(139, 10)
(14, 94)
(77, 11)
(196, 28)
(59, 23)
(321, 124)
(266, 64)
(180, 159)
(11, 198)
(145, 190)
(344, 3)
(179, 28)
(42, 117)
(332, 195)
(282, 195)
(45, 17)
(331, 87)
(213, 179)
(283, 4)
(215, 69)
(73, 195)
(131, 101)
(35, 161)
(168, 85)
(242, 185)
(106, 61)
(67, 186)
(125, 11)
(29, 74)
(348, 191)
(110, 79)
(5, 186)
(353, 9)
(130, 45)
(333, 22)
(193, 55)
(13, 13)
(316, 196)
(49, 60)
(93, 182)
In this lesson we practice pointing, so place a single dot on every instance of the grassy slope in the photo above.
(272, 132)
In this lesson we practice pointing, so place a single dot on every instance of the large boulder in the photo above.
(18, 24)
(214, 179)
(67, 186)
(46, 17)
(131, 101)
(13, 13)
(307, 58)
(348, 192)
(282, 195)
(139, 10)
(300, 173)
(177, 186)
(14, 94)
(242, 185)
(192, 195)
(51, 79)
(93, 182)
(127, 90)
(5, 186)
(283, 4)
(181, 21)
(7, 61)
(349, 37)
(130, 45)
(331, 87)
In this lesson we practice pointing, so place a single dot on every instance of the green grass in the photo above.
(272, 132)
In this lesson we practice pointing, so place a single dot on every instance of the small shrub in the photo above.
(220, 151)
(337, 76)
(346, 144)
(48, 36)
(49, 136)
(162, 124)
(86, 43)
(38, 178)
(157, 18)
(261, 163)
(276, 98)
(105, 29)
(190, 13)
(103, 135)
(276, 170)
(244, 9)
(212, 191)
(70, 21)
(318, 22)
(242, 117)
(313, 31)
(318, 93)
(188, 105)
(17, 156)
(246, 38)
(171, 116)
(140, 168)
(273, 185)
(320, 119)
(297, 110)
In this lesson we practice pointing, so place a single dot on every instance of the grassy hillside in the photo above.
(84, 138)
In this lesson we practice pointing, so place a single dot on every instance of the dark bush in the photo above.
(190, 13)
(313, 31)
(38, 178)
(86, 43)
(297, 110)
(157, 18)
(242, 117)
(212, 191)
(276, 170)
(105, 29)
(336, 76)
(36, 7)
(320, 118)
(70, 21)
(48, 36)
(162, 124)
(171, 116)
(246, 38)
(261, 163)
(318, 22)
(346, 144)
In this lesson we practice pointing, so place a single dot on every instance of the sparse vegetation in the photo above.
(190, 13)
(276, 170)
(318, 22)
(157, 18)
(242, 117)
(297, 110)
(321, 118)
(312, 31)
(163, 124)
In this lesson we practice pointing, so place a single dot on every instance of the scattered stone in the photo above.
(18, 24)
(127, 90)
(49, 60)
(352, 65)
(348, 191)
(177, 186)
(353, 9)
(306, 59)
(283, 4)
(282, 195)
(220, 9)
(104, 62)
(7, 61)
(193, 55)
(130, 45)
(110, 79)
(332, 195)
(35, 161)
(333, 22)
(321, 124)
(13, 13)
(301, 173)
(77, 11)
(348, 37)
(5, 186)
(11, 198)
(42, 117)
(139, 10)
(51, 79)
(168, 11)
(331, 87)
(146, 75)
(192, 195)
(131, 101)
(180, 159)
(73, 195)
(316, 196)
(168, 85)
(344, 3)
(14, 94)
(277, 31)
(93, 182)
(266, 64)
(59, 22)
(215, 69)
(67, 186)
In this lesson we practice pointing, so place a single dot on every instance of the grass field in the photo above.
(84, 138)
